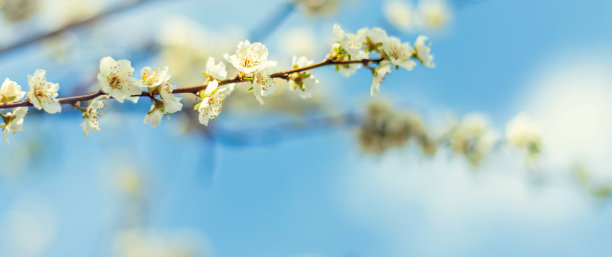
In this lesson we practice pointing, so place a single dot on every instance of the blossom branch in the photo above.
(197, 88)
(349, 52)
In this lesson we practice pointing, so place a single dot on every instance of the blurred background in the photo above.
(331, 176)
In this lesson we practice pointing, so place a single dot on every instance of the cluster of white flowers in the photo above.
(214, 95)
(391, 52)
(42, 95)
(251, 61)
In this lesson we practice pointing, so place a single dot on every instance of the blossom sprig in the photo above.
(116, 79)
(391, 53)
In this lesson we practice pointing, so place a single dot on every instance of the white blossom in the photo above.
(92, 114)
(310, 86)
(399, 53)
(423, 52)
(10, 91)
(349, 69)
(216, 71)
(351, 43)
(43, 94)
(373, 37)
(302, 61)
(212, 101)
(303, 82)
(153, 78)
(14, 121)
(262, 85)
(250, 57)
(154, 117)
(383, 69)
(214, 95)
(161, 108)
(159, 81)
(115, 78)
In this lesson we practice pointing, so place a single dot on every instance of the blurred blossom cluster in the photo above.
(428, 15)
(385, 127)
(18, 10)
(472, 137)
(51, 13)
(601, 189)
(524, 134)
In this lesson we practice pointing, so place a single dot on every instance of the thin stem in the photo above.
(197, 88)
(285, 74)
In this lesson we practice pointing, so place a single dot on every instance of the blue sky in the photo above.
(316, 195)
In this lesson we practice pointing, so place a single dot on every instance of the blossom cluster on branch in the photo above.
(116, 79)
